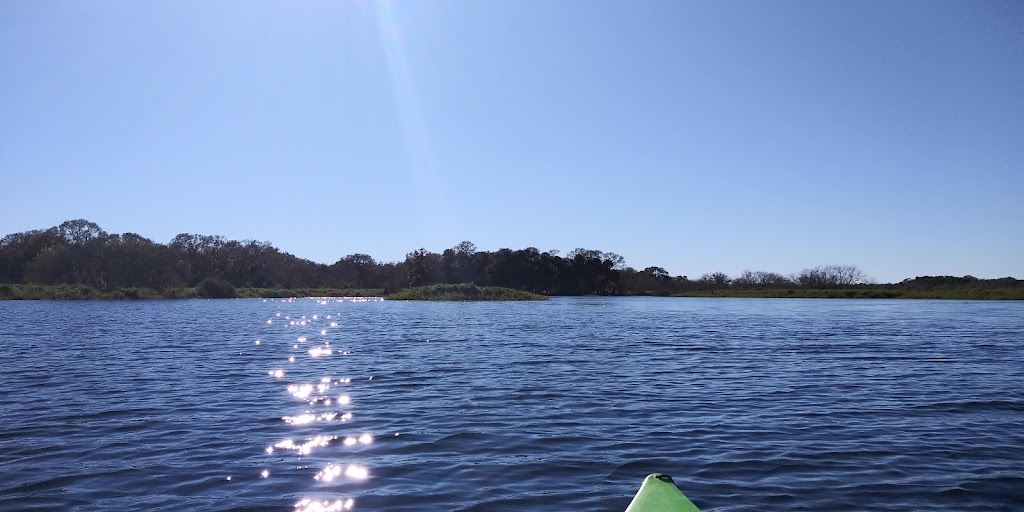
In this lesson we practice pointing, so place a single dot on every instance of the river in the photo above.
(330, 404)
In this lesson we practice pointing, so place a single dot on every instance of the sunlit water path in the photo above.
(327, 404)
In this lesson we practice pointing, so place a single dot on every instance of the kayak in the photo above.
(659, 493)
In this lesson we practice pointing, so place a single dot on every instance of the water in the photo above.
(564, 405)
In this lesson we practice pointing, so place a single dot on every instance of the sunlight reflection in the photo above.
(302, 391)
(302, 419)
(357, 472)
(307, 418)
(320, 400)
(363, 439)
(308, 505)
(329, 473)
(333, 471)
(304, 448)
(319, 352)
(309, 445)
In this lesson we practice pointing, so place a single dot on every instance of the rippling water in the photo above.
(565, 405)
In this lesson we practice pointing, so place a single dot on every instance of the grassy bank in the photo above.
(867, 293)
(469, 292)
(81, 292)
(274, 293)
(463, 292)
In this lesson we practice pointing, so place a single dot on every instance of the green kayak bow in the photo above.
(659, 493)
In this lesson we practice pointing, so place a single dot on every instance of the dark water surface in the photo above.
(750, 404)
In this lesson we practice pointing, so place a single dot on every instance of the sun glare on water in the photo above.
(320, 406)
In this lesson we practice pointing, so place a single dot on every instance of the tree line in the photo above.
(79, 252)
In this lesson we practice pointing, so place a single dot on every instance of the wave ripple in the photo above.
(562, 405)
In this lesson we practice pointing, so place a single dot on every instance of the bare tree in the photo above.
(829, 276)
(757, 278)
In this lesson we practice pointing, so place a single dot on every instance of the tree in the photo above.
(17, 250)
(80, 252)
(355, 271)
(651, 280)
(460, 264)
(85, 241)
(656, 273)
(52, 265)
(80, 232)
(132, 260)
(422, 268)
(831, 276)
(716, 280)
(760, 279)
(595, 271)
(199, 253)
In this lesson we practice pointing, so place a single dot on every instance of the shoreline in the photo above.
(864, 293)
(465, 292)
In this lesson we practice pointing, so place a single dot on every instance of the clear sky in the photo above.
(697, 136)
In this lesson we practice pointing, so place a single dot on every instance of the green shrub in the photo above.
(213, 288)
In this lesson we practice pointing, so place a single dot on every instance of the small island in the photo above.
(464, 292)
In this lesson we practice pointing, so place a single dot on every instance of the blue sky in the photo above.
(697, 136)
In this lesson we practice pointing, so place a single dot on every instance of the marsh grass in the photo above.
(283, 293)
(464, 292)
(82, 292)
